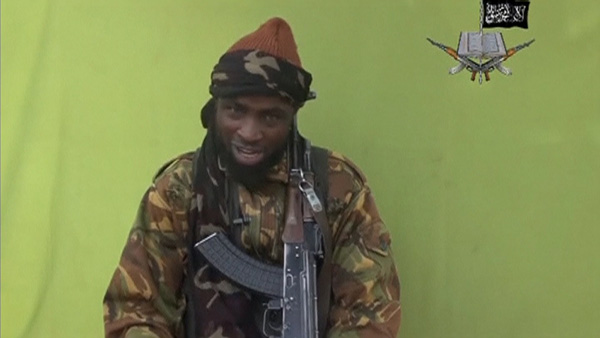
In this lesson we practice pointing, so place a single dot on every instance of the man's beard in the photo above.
(252, 177)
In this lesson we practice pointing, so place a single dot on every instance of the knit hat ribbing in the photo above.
(274, 37)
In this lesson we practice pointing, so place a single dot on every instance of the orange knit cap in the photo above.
(274, 37)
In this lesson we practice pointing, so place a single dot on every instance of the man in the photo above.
(239, 174)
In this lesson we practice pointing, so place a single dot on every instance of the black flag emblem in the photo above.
(505, 13)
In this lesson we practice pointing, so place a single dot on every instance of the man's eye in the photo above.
(272, 117)
(233, 109)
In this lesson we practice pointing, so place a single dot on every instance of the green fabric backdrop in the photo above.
(492, 192)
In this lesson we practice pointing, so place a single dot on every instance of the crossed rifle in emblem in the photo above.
(486, 67)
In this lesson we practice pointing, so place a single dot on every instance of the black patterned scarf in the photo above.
(252, 72)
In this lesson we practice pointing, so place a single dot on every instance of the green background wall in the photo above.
(492, 192)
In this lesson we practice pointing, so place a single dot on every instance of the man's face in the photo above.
(253, 131)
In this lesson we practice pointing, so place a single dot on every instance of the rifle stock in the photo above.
(293, 231)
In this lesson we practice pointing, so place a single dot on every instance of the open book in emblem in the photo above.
(481, 52)
(477, 45)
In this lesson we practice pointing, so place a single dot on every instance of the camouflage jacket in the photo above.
(145, 297)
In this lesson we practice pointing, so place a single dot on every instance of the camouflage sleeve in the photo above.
(365, 283)
(144, 297)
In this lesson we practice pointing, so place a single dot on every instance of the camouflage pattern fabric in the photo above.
(145, 297)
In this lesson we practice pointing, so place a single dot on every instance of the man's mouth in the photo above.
(246, 155)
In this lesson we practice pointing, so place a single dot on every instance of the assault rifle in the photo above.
(464, 62)
(496, 62)
(486, 67)
(292, 308)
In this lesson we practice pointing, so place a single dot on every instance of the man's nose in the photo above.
(250, 131)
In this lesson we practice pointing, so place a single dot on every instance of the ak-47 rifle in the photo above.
(292, 311)
(464, 61)
(496, 62)
(302, 241)
(485, 68)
